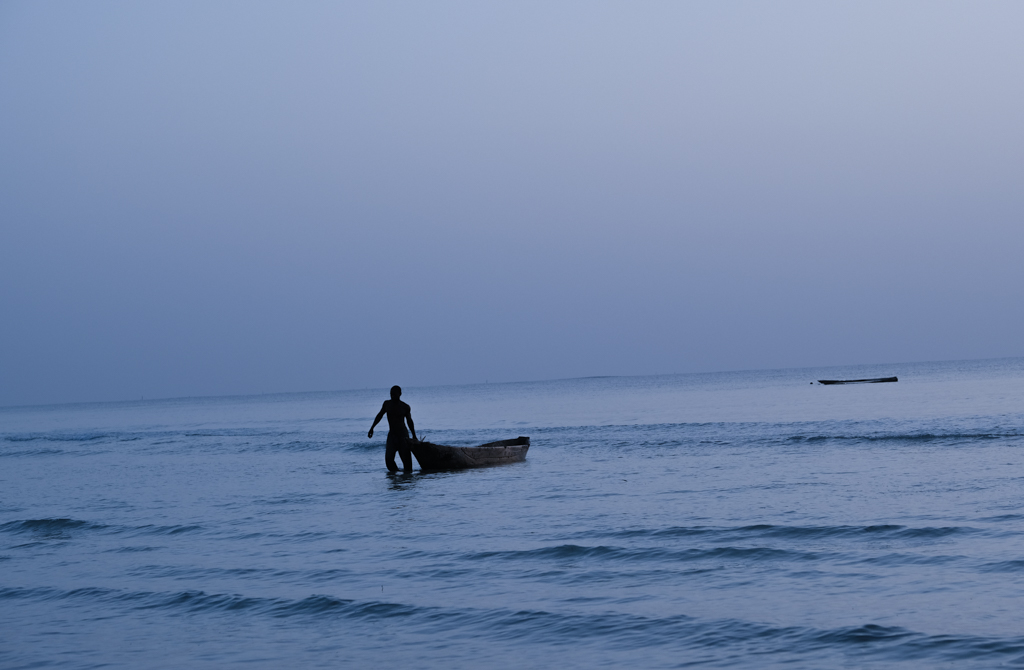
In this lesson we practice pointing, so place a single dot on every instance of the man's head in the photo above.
(396, 392)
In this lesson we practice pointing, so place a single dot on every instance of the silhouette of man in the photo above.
(398, 439)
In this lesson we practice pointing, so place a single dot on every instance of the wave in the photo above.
(874, 532)
(74, 437)
(619, 438)
(163, 530)
(58, 437)
(257, 574)
(48, 526)
(907, 437)
(704, 639)
(43, 451)
(1004, 517)
(888, 531)
(577, 552)
(193, 601)
(365, 447)
(896, 558)
(670, 436)
(1004, 566)
(715, 555)
(269, 440)
(640, 438)
(237, 432)
(64, 526)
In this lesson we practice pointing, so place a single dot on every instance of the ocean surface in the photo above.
(742, 519)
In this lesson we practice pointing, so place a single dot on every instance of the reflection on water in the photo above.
(401, 481)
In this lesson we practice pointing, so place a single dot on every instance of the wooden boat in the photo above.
(877, 380)
(441, 457)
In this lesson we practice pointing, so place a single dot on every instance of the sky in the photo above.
(210, 198)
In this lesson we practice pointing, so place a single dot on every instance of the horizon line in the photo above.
(484, 383)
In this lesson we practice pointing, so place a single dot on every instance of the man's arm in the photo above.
(380, 415)
(408, 418)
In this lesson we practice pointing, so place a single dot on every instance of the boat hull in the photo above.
(442, 457)
(877, 380)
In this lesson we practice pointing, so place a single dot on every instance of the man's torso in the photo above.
(396, 411)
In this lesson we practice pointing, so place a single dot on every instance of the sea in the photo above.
(731, 520)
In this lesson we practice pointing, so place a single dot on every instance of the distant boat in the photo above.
(441, 457)
(877, 380)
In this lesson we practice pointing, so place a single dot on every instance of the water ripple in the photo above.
(607, 630)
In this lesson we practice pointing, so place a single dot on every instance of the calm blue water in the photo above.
(722, 520)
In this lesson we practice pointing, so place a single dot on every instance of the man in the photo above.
(398, 439)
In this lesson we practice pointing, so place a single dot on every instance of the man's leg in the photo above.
(406, 453)
(389, 455)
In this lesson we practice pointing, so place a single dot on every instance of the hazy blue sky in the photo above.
(234, 197)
